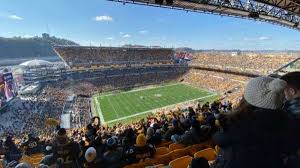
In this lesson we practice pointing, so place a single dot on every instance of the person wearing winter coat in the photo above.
(254, 131)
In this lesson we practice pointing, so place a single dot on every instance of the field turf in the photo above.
(119, 106)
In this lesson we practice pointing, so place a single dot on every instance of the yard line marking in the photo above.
(121, 104)
(113, 107)
(137, 114)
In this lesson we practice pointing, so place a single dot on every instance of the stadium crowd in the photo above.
(114, 55)
(232, 86)
(81, 113)
(26, 114)
(261, 64)
(260, 132)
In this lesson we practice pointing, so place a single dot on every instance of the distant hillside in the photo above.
(35, 47)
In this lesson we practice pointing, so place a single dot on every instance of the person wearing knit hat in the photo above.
(141, 150)
(253, 132)
(141, 140)
(265, 92)
(90, 154)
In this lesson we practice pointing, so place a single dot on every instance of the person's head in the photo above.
(292, 89)
(175, 123)
(150, 132)
(90, 154)
(141, 140)
(261, 93)
(96, 121)
(112, 142)
(265, 92)
(62, 137)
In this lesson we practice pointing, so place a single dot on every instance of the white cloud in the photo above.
(103, 18)
(121, 33)
(261, 38)
(27, 36)
(264, 38)
(15, 17)
(126, 36)
(143, 31)
(109, 38)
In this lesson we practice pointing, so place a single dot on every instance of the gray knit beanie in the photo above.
(265, 92)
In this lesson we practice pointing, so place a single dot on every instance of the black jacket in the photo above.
(252, 143)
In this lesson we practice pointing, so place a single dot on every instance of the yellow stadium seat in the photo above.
(164, 144)
(177, 153)
(161, 151)
(209, 154)
(182, 162)
(163, 159)
(174, 146)
(197, 147)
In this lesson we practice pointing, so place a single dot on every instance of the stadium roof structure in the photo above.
(280, 12)
(36, 63)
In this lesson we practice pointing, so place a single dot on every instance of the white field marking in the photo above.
(121, 102)
(113, 107)
(137, 114)
(98, 108)
(146, 88)
(128, 104)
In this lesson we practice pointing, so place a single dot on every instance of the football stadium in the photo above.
(147, 84)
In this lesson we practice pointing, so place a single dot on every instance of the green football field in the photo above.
(124, 105)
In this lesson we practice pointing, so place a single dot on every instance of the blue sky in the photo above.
(113, 24)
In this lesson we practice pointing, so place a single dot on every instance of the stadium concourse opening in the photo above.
(115, 107)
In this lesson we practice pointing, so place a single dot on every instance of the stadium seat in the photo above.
(197, 147)
(209, 154)
(174, 146)
(164, 144)
(182, 162)
(177, 153)
(161, 151)
(163, 159)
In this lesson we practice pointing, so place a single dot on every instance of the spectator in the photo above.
(66, 152)
(256, 129)
(153, 138)
(197, 134)
(292, 107)
(90, 157)
(11, 151)
(113, 155)
(175, 129)
(31, 145)
(140, 151)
